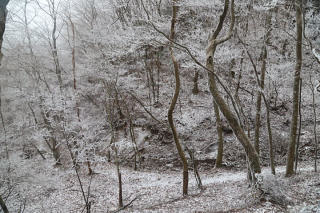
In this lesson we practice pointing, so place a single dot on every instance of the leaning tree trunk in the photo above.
(295, 99)
(173, 104)
(233, 122)
(224, 108)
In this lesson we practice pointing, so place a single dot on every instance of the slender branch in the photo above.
(143, 106)
(125, 206)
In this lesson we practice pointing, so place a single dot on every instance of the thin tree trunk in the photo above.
(218, 163)
(263, 73)
(158, 76)
(295, 99)
(173, 104)
(133, 140)
(74, 64)
(257, 120)
(262, 79)
(54, 48)
(267, 105)
(75, 166)
(314, 124)
(120, 199)
(299, 130)
(195, 168)
(271, 151)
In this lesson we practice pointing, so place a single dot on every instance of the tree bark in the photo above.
(261, 88)
(173, 104)
(3, 205)
(295, 99)
(54, 47)
(195, 89)
(299, 129)
(218, 163)
(3, 18)
(228, 114)
(233, 122)
(312, 88)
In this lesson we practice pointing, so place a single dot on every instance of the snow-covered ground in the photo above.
(52, 189)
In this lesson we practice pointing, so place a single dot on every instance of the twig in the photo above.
(43, 157)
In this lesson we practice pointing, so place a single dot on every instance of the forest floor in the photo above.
(52, 189)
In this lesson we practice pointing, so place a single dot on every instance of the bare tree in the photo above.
(261, 95)
(224, 108)
(296, 85)
(174, 101)
(52, 12)
(262, 80)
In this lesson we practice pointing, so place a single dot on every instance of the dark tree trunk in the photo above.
(173, 104)
(3, 18)
(295, 99)
(3, 205)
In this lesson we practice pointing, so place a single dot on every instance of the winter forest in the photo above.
(159, 106)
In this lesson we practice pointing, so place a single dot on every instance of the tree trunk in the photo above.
(173, 104)
(3, 205)
(312, 88)
(295, 99)
(195, 89)
(224, 108)
(3, 18)
(299, 130)
(261, 85)
(55, 51)
(233, 122)
(218, 163)
(257, 120)
(271, 152)
(315, 132)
